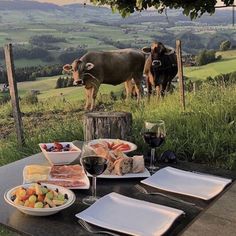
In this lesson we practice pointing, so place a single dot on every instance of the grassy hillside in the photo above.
(46, 86)
(226, 65)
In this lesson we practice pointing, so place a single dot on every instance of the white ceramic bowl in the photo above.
(41, 211)
(61, 158)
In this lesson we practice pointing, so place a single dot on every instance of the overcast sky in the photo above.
(63, 2)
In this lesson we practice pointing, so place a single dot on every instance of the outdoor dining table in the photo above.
(65, 222)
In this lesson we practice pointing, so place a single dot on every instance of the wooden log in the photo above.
(116, 125)
(14, 93)
(180, 72)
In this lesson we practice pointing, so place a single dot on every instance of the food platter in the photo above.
(112, 143)
(43, 174)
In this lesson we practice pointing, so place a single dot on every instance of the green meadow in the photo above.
(226, 65)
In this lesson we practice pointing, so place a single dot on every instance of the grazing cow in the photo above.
(112, 67)
(160, 68)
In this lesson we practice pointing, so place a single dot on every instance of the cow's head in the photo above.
(78, 69)
(157, 50)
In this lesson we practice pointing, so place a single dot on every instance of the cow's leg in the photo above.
(91, 95)
(158, 90)
(138, 88)
(87, 93)
(164, 89)
(128, 89)
(94, 95)
(151, 83)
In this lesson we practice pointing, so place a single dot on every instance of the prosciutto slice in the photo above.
(70, 183)
(67, 172)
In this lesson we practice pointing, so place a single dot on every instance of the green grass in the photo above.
(205, 132)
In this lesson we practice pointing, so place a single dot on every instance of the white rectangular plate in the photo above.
(144, 174)
(187, 183)
(130, 216)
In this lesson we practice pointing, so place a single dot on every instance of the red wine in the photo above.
(94, 165)
(153, 140)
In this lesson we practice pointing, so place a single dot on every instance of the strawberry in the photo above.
(58, 146)
(44, 146)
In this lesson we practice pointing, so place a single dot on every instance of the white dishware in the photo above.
(187, 183)
(41, 211)
(61, 158)
(132, 145)
(144, 174)
(130, 216)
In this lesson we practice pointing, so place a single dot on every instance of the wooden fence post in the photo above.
(180, 72)
(14, 93)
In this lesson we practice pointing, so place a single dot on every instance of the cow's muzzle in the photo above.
(156, 63)
(76, 83)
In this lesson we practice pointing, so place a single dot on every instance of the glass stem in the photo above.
(94, 187)
(152, 158)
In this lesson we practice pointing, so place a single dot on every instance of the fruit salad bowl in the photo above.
(39, 200)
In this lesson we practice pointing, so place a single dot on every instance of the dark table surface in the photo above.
(65, 222)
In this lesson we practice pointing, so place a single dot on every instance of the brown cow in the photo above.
(160, 68)
(112, 67)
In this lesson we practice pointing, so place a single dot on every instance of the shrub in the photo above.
(205, 57)
(225, 45)
(4, 98)
(30, 98)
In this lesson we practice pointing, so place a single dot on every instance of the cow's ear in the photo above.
(67, 67)
(146, 49)
(89, 66)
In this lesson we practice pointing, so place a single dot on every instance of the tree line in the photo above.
(31, 73)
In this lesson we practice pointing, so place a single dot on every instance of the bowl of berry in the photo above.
(60, 153)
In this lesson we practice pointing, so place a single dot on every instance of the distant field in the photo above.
(226, 65)
(46, 86)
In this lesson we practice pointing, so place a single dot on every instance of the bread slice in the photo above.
(123, 166)
(138, 164)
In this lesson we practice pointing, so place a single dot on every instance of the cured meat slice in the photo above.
(65, 183)
(67, 172)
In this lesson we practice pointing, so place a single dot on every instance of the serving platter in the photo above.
(116, 141)
(144, 174)
(47, 177)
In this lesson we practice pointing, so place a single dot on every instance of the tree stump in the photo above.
(117, 125)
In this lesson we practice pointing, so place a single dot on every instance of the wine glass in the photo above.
(94, 165)
(154, 135)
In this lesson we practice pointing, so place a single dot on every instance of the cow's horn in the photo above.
(170, 51)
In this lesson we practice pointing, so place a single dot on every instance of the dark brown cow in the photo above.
(112, 67)
(160, 68)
